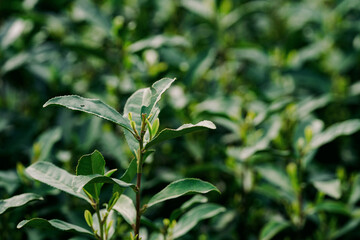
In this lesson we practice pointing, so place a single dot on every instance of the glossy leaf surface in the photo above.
(58, 178)
(17, 201)
(167, 133)
(92, 106)
(91, 164)
(272, 228)
(180, 188)
(125, 207)
(190, 219)
(54, 223)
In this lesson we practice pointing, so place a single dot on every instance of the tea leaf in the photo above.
(17, 201)
(180, 188)
(347, 127)
(54, 223)
(167, 133)
(272, 228)
(92, 106)
(144, 101)
(90, 164)
(126, 208)
(331, 188)
(194, 216)
(58, 178)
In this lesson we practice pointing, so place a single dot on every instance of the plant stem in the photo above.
(100, 222)
(138, 178)
(138, 196)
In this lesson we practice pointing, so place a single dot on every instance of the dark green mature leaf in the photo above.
(347, 127)
(167, 133)
(125, 207)
(180, 188)
(272, 228)
(54, 223)
(195, 215)
(91, 164)
(17, 201)
(92, 106)
(58, 178)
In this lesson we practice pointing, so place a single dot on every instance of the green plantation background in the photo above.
(279, 78)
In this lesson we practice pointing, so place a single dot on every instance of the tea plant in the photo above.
(140, 123)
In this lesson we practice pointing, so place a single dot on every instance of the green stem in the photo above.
(138, 177)
(100, 222)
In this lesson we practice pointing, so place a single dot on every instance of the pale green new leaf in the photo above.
(54, 223)
(125, 207)
(190, 219)
(167, 133)
(272, 228)
(347, 127)
(180, 188)
(17, 201)
(92, 106)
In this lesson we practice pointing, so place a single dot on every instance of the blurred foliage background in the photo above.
(279, 78)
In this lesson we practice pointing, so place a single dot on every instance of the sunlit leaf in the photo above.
(167, 133)
(190, 219)
(126, 208)
(17, 201)
(272, 228)
(91, 164)
(180, 188)
(54, 223)
(92, 106)
(58, 178)
(347, 127)
(331, 188)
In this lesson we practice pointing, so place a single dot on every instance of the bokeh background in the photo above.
(271, 75)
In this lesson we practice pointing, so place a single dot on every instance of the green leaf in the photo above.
(347, 127)
(158, 41)
(42, 147)
(272, 228)
(276, 176)
(126, 208)
(180, 188)
(91, 164)
(17, 201)
(92, 106)
(331, 188)
(348, 227)
(54, 223)
(333, 207)
(190, 219)
(186, 205)
(167, 133)
(144, 101)
(157, 89)
(58, 178)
